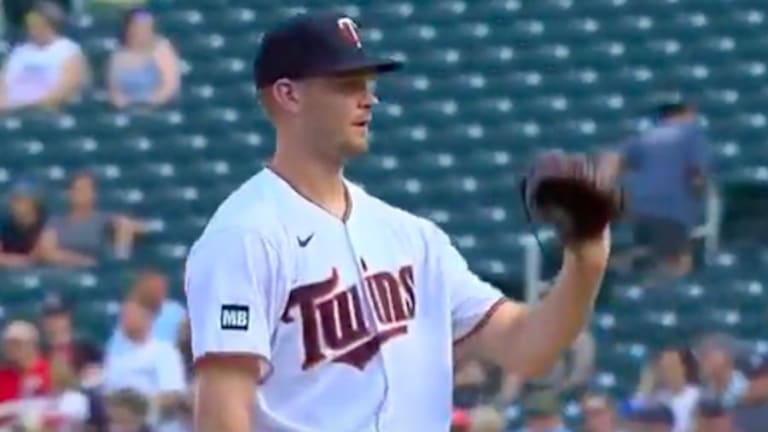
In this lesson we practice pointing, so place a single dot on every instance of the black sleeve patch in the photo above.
(234, 317)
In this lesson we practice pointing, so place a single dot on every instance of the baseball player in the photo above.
(315, 306)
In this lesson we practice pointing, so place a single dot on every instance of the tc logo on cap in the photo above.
(348, 29)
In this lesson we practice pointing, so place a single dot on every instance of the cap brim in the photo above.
(378, 66)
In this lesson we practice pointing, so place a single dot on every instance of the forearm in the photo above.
(221, 414)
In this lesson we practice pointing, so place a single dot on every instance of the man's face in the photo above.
(671, 368)
(153, 288)
(122, 419)
(715, 362)
(38, 29)
(17, 350)
(337, 111)
(82, 192)
(135, 319)
(598, 419)
(57, 328)
(23, 207)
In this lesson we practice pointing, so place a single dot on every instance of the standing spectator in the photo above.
(151, 289)
(599, 413)
(145, 70)
(542, 412)
(666, 170)
(81, 236)
(142, 363)
(62, 345)
(20, 230)
(675, 385)
(47, 70)
(722, 381)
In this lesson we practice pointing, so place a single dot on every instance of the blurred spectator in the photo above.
(69, 410)
(651, 418)
(20, 230)
(486, 419)
(470, 384)
(460, 421)
(145, 70)
(184, 344)
(26, 373)
(722, 381)
(14, 12)
(143, 363)
(757, 391)
(151, 289)
(78, 238)
(675, 385)
(666, 170)
(713, 417)
(542, 412)
(127, 411)
(47, 70)
(575, 367)
(599, 413)
(61, 344)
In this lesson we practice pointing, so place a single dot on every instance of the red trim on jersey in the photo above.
(262, 368)
(483, 321)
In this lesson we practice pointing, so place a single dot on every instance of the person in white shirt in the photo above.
(324, 308)
(678, 390)
(142, 363)
(48, 69)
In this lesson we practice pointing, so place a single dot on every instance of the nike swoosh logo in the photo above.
(304, 242)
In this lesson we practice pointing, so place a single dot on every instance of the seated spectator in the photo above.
(460, 421)
(20, 230)
(145, 70)
(69, 408)
(14, 12)
(651, 418)
(151, 289)
(486, 419)
(541, 410)
(143, 363)
(470, 384)
(722, 381)
(25, 378)
(61, 344)
(46, 71)
(599, 413)
(81, 236)
(674, 384)
(713, 417)
(127, 411)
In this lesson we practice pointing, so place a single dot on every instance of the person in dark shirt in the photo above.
(665, 171)
(21, 228)
(61, 342)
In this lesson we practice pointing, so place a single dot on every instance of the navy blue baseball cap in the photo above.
(314, 45)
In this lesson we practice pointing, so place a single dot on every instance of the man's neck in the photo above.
(317, 180)
(81, 212)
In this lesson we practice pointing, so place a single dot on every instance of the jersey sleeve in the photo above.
(232, 280)
(471, 300)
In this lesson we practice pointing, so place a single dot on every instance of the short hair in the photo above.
(671, 109)
(131, 400)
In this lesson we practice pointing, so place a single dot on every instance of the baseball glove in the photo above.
(570, 192)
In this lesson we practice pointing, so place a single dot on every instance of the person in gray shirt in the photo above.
(79, 237)
(665, 173)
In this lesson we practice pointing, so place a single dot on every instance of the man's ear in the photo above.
(286, 94)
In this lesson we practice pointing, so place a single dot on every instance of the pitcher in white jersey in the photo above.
(315, 306)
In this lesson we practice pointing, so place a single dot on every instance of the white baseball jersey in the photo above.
(354, 320)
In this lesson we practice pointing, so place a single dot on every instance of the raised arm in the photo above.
(230, 286)
(528, 340)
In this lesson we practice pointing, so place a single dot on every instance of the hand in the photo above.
(591, 254)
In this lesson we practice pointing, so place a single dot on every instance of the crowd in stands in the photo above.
(54, 380)
(45, 69)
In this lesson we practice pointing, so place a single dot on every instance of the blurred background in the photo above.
(124, 123)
